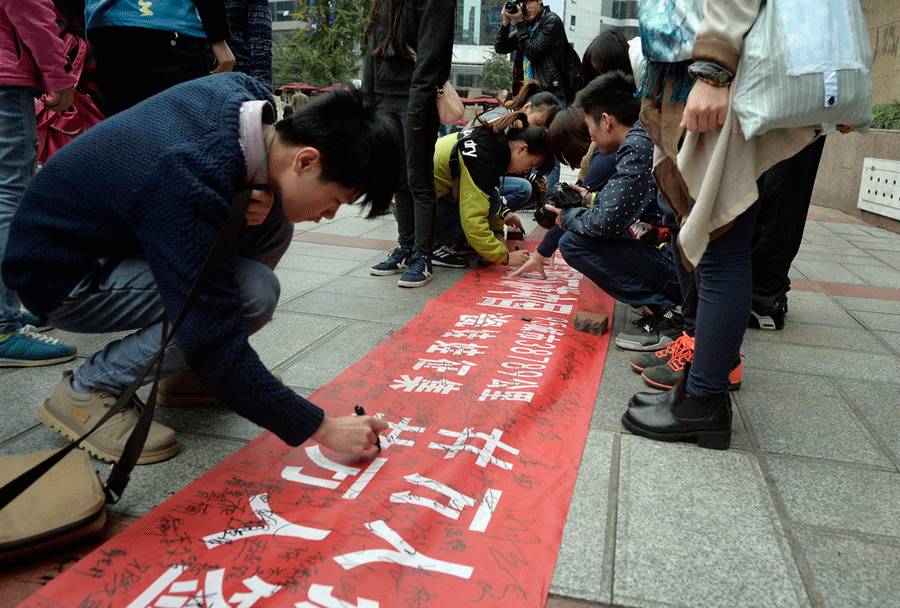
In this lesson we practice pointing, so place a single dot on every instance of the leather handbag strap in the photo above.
(121, 470)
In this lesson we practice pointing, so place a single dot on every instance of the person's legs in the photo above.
(516, 191)
(785, 195)
(629, 270)
(20, 346)
(18, 152)
(419, 138)
(725, 279)
(394, 108)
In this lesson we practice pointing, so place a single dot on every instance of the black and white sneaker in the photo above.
(396, 262)
(652, 332)
(445, 256)
(418, 272)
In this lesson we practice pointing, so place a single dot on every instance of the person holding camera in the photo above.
(610, 238)
(543, 52)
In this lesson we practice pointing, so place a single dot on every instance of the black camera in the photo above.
(561, 196)
(512, 7)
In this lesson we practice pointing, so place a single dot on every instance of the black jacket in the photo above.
(548, 50)
(428, 31)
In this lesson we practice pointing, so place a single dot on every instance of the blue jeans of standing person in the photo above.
(629, 270)
(18, 157)
(121, 294)
(725, 280)
(516, 191)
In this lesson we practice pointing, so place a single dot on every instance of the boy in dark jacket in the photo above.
(112, 232)
(600, 240)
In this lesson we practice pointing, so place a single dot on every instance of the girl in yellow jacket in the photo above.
(468, 168)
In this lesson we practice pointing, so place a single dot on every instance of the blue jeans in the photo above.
(18, 154)
(629, 270)
(516, 191)
(121, 295)
(725, 281)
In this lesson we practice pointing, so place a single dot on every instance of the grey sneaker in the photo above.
(397, 262)
(418, 273)
(73, 415)
(652, 332)
(29, 348)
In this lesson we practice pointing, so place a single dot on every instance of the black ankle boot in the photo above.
(677, 416)
(661, 399)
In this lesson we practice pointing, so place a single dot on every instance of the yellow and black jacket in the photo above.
(481, 159)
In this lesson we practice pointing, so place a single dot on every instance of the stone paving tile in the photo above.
(361, 308)
(879, 321)
(890, 307)
(810, 360)
(801, 333)
(318, 250)
(876, 274)
(580, 569)
(891, 339)
(289, 333)
(295, 283)
(842, 497)
(892, 258)
(344, 226)
(839, 257)
(826, 271)
(816, 308)
(24, 391)
(851, 572)
(697, 528)
(876, 404)
(331, 357)
(314, 265)
(806, 423)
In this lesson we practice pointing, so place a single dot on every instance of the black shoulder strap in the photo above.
(455, 171)
(121, 471)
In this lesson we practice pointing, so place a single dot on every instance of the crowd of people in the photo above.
(110, 233)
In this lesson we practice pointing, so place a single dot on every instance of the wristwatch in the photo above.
(710, 73)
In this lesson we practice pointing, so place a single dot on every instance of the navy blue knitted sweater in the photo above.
(158, 180)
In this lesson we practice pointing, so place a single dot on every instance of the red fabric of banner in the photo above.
(489, 394)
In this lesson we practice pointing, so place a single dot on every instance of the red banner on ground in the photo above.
(488, 393)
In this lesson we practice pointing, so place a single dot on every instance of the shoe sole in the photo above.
(436, 262)
(402, 283)
(49, 419)
(659, 385)
(35, 362)
(644, 348)
(384, 273)
(713, 440)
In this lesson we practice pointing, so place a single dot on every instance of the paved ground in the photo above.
(801, 511)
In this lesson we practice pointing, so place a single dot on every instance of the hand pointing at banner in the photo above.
(349, 434)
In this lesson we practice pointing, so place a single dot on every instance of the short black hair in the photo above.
(357, 144)
(611, 93)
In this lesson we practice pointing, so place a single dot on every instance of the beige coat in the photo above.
(711, 179)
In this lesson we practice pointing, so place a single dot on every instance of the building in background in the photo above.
(584, 19)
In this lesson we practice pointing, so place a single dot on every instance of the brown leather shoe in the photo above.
(73, 415)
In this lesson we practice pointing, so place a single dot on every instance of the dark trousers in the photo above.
(415, 200)
(785, 193)
(134, 63)
(630, 270)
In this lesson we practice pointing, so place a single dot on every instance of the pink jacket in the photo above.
(31, 51)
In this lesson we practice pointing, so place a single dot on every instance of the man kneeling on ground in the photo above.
(113, 230)
(600, 241)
